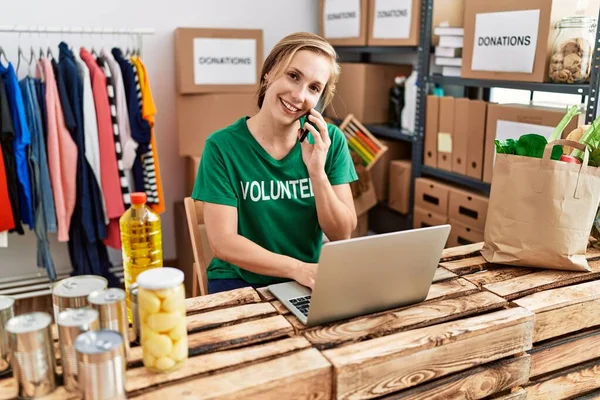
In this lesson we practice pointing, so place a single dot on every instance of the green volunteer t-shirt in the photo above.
(274, 198)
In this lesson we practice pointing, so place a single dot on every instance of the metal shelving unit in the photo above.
(427, 80)
(390, 133)
(471, 183)
(376, 49)
(535, 86)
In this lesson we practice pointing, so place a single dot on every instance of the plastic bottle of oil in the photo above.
(141, 241)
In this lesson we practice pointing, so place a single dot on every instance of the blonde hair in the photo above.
(280, 57)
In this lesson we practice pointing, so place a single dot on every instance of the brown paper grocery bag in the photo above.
(541, 211)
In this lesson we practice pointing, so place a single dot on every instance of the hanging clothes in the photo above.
(62, 155)
(6, 214)
(43, 202)
(128, 145)
(40, 91)
(7, 135)
(140, 128)
(70, 90)
(86, 250)
(110, 89)
(152, 178)
(90, 129)
(21, 141)
(111, 185)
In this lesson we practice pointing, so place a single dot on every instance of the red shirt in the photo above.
(6, 215)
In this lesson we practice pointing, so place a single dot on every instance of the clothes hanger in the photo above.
(2, 53)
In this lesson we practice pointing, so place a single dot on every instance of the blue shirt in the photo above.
(22, 140)
(43, 201)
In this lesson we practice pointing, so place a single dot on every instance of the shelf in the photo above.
(471, 183)
(384, 132)
(376, 49)
(534, 86)
(390, 133)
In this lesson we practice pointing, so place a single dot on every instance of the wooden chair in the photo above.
(200, 245)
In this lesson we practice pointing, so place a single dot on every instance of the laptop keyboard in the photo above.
(302, 304)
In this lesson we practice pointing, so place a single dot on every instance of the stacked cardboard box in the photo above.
(437, 203)
(513, 39)
(217, 75)
(383, 23)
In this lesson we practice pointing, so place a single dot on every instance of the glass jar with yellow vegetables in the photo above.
(161, 310)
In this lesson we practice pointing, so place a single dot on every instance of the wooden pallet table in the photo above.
(484, 332)
(239, 346)
(461, 342)
(565, 357)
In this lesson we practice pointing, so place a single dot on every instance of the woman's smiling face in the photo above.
(299, 88)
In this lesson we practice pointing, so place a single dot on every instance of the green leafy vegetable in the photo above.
(508, 147)
(529, 145)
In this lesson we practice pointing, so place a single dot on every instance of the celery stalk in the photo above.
(557, 132)
(591, 137)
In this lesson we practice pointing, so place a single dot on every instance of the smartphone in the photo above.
(305, 132)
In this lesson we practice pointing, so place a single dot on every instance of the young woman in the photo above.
(269, 197)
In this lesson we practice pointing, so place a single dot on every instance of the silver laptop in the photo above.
(367, 274)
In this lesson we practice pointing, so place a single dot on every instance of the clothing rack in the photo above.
(32, 284)
(137, 32)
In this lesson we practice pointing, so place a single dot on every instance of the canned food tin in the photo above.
(133, 295)
(33, 360)
(112, 307)
(101, 362)
(6, 312)
(73, 292)
(72, 323)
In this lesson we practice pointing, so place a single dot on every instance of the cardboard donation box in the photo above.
(432, 195)
(510, 121)
(363, 90)
(394, 22)
(513, 39)
(200, 115)
(425, 218)
(380, 173)
(217, 74)
(210, 60)
(343, 22)
(461, 234)
(399, 186)
(467, 208)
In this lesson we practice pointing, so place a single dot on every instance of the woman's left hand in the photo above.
(314, 155)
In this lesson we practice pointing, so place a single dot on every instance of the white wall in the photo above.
(276, 17)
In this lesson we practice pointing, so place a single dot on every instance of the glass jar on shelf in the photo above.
(162, 311)
(572, 50)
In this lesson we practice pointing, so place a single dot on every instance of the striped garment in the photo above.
(150, 185)
(113, 115)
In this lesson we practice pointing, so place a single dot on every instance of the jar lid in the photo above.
(6, 302)
(78, 317)
(78, 286)
(576, 21)
(26, 323)
(160, 278)
(106, 296)
(98, 342)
